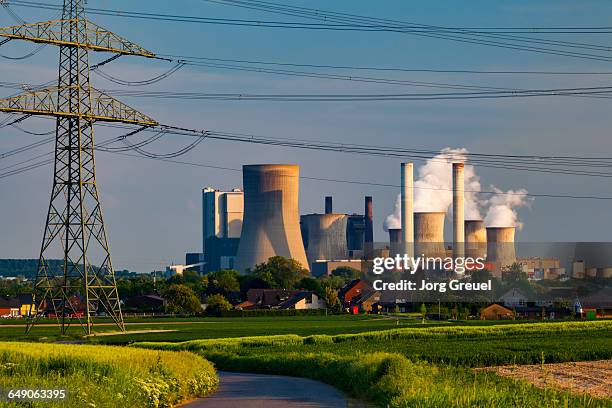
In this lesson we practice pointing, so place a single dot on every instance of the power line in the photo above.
(392, 69)
(345, 181)
(465, 36)
(348, 22)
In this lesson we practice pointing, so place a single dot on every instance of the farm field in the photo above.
(184, 329)
(105, 376)
(206, 328)
(427, 367)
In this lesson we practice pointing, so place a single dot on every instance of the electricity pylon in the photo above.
(74, 221)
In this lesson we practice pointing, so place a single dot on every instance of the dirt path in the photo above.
(587, 377)
(240, 390)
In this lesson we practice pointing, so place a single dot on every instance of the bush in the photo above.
(217, 304)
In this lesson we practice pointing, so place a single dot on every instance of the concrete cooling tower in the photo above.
(271, 224)
(429, 234)
(395, 241)
(500, 248)
(475, 239)
(326, 236)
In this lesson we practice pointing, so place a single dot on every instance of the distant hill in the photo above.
(28, 267)
(25, 267)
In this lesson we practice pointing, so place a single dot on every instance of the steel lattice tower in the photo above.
(75, 224)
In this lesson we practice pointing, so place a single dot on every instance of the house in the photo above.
(9, 307)
(513, 298)
(246, 305)
(149, 303)
(598, 303)
(269, 298)
(303, 300)
(367, 301)
(496, 312)
(26, 304)
(352, 290)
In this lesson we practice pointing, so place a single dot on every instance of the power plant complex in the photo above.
(243, 228)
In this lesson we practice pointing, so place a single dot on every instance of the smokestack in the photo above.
(475, 239)
(369, 227)
(407, 210)
(458, 210)
(329, 205)
(429, 234)
(500, 248)
(326, 236)
(271, 223)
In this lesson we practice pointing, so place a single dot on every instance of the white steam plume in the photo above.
(394, 220)
(502, 208)
(433, 188)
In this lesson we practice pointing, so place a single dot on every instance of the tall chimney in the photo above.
(369, 227)
(458, 210)
(329, 209)
(407, 208)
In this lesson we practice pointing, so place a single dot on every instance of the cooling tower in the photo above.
(458, 210)
(271, 224)
(429, 234)
(475, 239)
(407, 208)
(395, 242)
(326, 236)
(395, 235)
(500, 248)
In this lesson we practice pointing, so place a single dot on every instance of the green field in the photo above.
(104, 376)
(421, 367)
(184, 329)
(212, 328)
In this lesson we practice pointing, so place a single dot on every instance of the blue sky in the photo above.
(152, 209)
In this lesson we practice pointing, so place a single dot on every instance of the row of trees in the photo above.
(184, 293)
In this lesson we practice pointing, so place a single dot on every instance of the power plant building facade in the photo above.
(271, 224)
(222, 214)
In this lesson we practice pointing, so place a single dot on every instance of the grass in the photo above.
(429, 367)
(105, 376)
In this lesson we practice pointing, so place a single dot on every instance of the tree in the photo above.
(223, 282)
(423, 312)
(347, 273)
(311, 284)
(334, 282)
(285, 273)
(217, 304)
(182, 299)
(331, 300)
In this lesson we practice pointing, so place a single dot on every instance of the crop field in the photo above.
(105, 376)
(421, 367)
(211, 328)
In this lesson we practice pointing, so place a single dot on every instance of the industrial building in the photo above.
(333, 239)
(222, 214)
